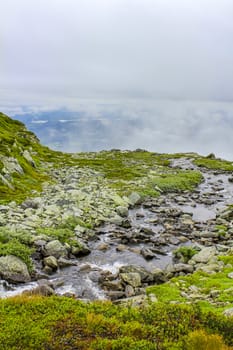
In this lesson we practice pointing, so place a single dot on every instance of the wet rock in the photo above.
(147, 253)
(63, 262)
(121, 248)
(131, 278)
(51, 261)
(115, 295)
(135, 199)
(102, 247)
(13, 269)
(80, 249)
(129, 291)
(44, 290)
(55, 248)
(122, 211)
(205, 255)
(115, 285)
(145, 275)
(158, 275)
(116, 220)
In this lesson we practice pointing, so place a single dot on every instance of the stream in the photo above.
(156, 228)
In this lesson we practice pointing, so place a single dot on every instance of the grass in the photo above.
(215, 164)
(62, 323)
(171, 291)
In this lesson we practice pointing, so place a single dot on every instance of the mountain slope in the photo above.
(21, 157)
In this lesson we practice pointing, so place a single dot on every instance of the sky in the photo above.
(71, 53)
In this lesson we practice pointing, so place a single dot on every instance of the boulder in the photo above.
(228, 312)
(51, 261)
(205, 255)
(55, 248)
(135, 199)
(28, 158)
(122, 211)
(145, 275)
(13, 269)
(80, 249)
(131, 278)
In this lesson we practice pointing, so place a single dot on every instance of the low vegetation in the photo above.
(62, 323)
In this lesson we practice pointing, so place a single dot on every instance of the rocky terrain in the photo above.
(83, 226)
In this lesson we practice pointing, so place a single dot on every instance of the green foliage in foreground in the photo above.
(54, 323)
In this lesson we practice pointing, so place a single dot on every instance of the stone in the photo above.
(44, 290)
(51, 261)
(11, 165)
(183, 268)
(134, 198)
(145, 275)
(80, 249)
(13, 269)
(116, 220)
(205, 255)
(121, 248)
(55, 248)
(129, 291)
(147, 253)
(122, 211)
(158, 275)
(29, 158)
(102, 246)
(230, 275)
(62, 262)
(228, 312)
(131, 278)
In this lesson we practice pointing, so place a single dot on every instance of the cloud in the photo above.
(60, 50)
(160, 126)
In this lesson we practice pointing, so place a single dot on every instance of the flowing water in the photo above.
(82, 279)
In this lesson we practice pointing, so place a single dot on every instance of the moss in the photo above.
(14, 247)
(171, 291)
(62, 323)
(177, 180)
(184, 253)
(216, 164)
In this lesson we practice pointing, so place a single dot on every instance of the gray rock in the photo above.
(28, 158)
(134, 198)
(55, 248)
(205, 255)
(122, 211)
(145, 275)
(228, 312)
(13, 269)
(80, 249)
(51, 261)
(129, 291)
(43, 289)
(230, 275)
(131, 278)
(147, 253)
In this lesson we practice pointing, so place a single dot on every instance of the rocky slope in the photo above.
(110, 224)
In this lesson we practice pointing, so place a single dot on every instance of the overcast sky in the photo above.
(53, 51)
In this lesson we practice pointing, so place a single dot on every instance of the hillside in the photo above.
(149, 234)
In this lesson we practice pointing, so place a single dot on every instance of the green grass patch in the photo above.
(216, 164)
(61, 323)
(177, 180)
